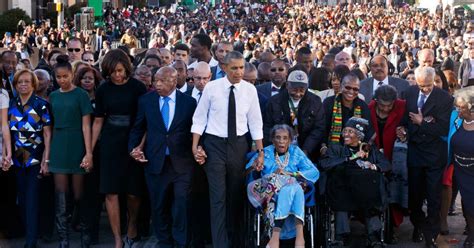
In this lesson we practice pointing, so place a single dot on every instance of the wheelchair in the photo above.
(325, 221)
(256, 236)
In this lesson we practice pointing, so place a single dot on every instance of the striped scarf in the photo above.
(336, 123)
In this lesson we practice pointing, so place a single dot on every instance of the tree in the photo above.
(9, 20)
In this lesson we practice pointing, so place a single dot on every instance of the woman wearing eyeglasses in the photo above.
(461, 154)
(341, 107)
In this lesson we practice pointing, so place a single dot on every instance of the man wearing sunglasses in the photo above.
(74, 49)
(278, 74)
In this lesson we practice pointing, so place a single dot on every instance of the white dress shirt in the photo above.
(212, 111)
(211, 63)
(171, 104)
(184, 88)
(376, 83)
(275, 92)
(196, 95)
(419, 96)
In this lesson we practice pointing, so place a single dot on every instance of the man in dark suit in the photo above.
(222, 49)
(165, 115)
(379, 68)
(428, 111)
(300, 109)
(96, 40)
(182, 69)
(278, 74)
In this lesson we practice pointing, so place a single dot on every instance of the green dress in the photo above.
(67, 144)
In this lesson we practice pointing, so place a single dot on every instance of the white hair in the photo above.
(43, 73)
(424, 72)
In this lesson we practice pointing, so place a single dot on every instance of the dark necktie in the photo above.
(199, 96)
(421, 102)
(275, 89)
(231, 119)
(380, 84)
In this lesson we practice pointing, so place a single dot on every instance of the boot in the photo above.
(83, 226)
(61, 220)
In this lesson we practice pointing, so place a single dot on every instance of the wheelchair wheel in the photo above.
(310, 233)
(323, 225)
(255, 237)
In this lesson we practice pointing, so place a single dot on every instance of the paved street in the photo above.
(454, 240)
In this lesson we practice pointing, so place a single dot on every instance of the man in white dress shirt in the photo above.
(201, 76)
(227, 111)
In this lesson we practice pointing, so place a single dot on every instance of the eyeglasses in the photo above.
(24, 81)
(349, 131)
(74, 50)
(89, 60)
(275, 69)
(355, 89)
(200, 78)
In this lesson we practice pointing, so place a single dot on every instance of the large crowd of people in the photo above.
(369, 107)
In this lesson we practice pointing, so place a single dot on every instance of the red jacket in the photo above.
(389, 131)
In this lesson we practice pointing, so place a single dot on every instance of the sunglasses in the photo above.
(275, 69)
(74, 50)
(355, 89)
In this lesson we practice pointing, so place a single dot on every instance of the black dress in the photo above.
(117, 104)
(463, 158)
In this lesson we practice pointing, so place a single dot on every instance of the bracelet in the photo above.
(46, 161)
(295, 174)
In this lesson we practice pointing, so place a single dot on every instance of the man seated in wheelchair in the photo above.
(279, 192)
(356, 182)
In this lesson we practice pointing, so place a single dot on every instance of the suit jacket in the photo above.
(464, 71)
(310, 116)
(426, 146)
(93, 42)
(189, 90)
(367, 87)
(214, 73)
(178, 138)
(265, 93)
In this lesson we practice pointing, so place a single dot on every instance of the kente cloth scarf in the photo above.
(336, 123)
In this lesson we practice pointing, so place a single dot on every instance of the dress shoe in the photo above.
(431, 244)
(417, 236)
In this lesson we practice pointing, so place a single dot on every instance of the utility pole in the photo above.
(60, 9)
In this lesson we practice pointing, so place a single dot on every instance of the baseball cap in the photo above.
(298, 78)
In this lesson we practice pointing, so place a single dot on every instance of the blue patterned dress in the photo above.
(281, 197)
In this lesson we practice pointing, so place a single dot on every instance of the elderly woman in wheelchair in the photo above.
(279, 192)
(355, 182)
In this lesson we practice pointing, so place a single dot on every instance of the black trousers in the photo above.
(425, 183)
(225, 168)
(162, 187)
(199, 214)
(28, 187)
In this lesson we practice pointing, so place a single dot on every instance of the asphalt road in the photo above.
(454, 240)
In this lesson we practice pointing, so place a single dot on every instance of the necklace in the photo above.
(468, 122)
(285, 161)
